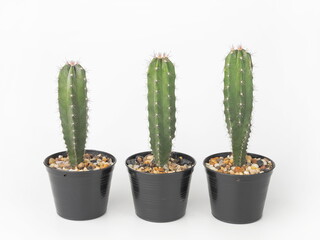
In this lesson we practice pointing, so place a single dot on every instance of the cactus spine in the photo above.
(72, 97)
(161, 107)
(238, 98)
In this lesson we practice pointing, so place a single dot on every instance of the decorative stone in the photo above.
(90, 162)
(248, 158)
(260, 163)
(252, 165)
(81, 165)
(174, 165)
(51, 160)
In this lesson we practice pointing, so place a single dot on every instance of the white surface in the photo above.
(114, 40)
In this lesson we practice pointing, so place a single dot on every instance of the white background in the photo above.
(114, 41)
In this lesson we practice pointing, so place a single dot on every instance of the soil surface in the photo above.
(147, 164)
(252, 166)
(90, 163)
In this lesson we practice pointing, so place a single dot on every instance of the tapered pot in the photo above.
(237, 198)
(160, 197)
(80, 195)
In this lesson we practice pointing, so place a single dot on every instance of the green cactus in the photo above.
(238, 98)
(72, 96)
(161, 107)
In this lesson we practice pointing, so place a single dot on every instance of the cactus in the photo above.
(238, 97)
(72, 96)
(161, 107)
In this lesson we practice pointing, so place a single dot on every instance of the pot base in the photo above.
(84, 218)
(162, 220)
(234, 222)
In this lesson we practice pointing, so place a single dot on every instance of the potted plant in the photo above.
(238, 181)
(160, 179)
(80, 179)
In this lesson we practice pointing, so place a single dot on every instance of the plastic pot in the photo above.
(160, 197)
(237, 198)
(80, 195)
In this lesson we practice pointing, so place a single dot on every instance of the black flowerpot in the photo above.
(80, 195)
(237, 198)
(160, 197)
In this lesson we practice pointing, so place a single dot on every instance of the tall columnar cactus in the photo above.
(161, 107)
(73, 100)
(238, 97)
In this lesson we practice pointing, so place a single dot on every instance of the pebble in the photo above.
(222, 163)
(254, 166)
(238, 169)
(148, 157)
(139, 159)
(81, 165)
(260, 163)
(51, 160)
(254, 171)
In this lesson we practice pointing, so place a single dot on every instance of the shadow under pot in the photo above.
(80, 195)
(160, 197)
(237, 198)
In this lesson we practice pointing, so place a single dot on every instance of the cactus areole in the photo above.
(161, 107)
(72, 96)
(238, 98)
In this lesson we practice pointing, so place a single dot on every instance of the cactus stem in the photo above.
(238, 100)
(160, 97)
(72, 101)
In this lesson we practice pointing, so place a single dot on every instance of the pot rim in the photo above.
(241, 176)
(46, 163)
(157, 174)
